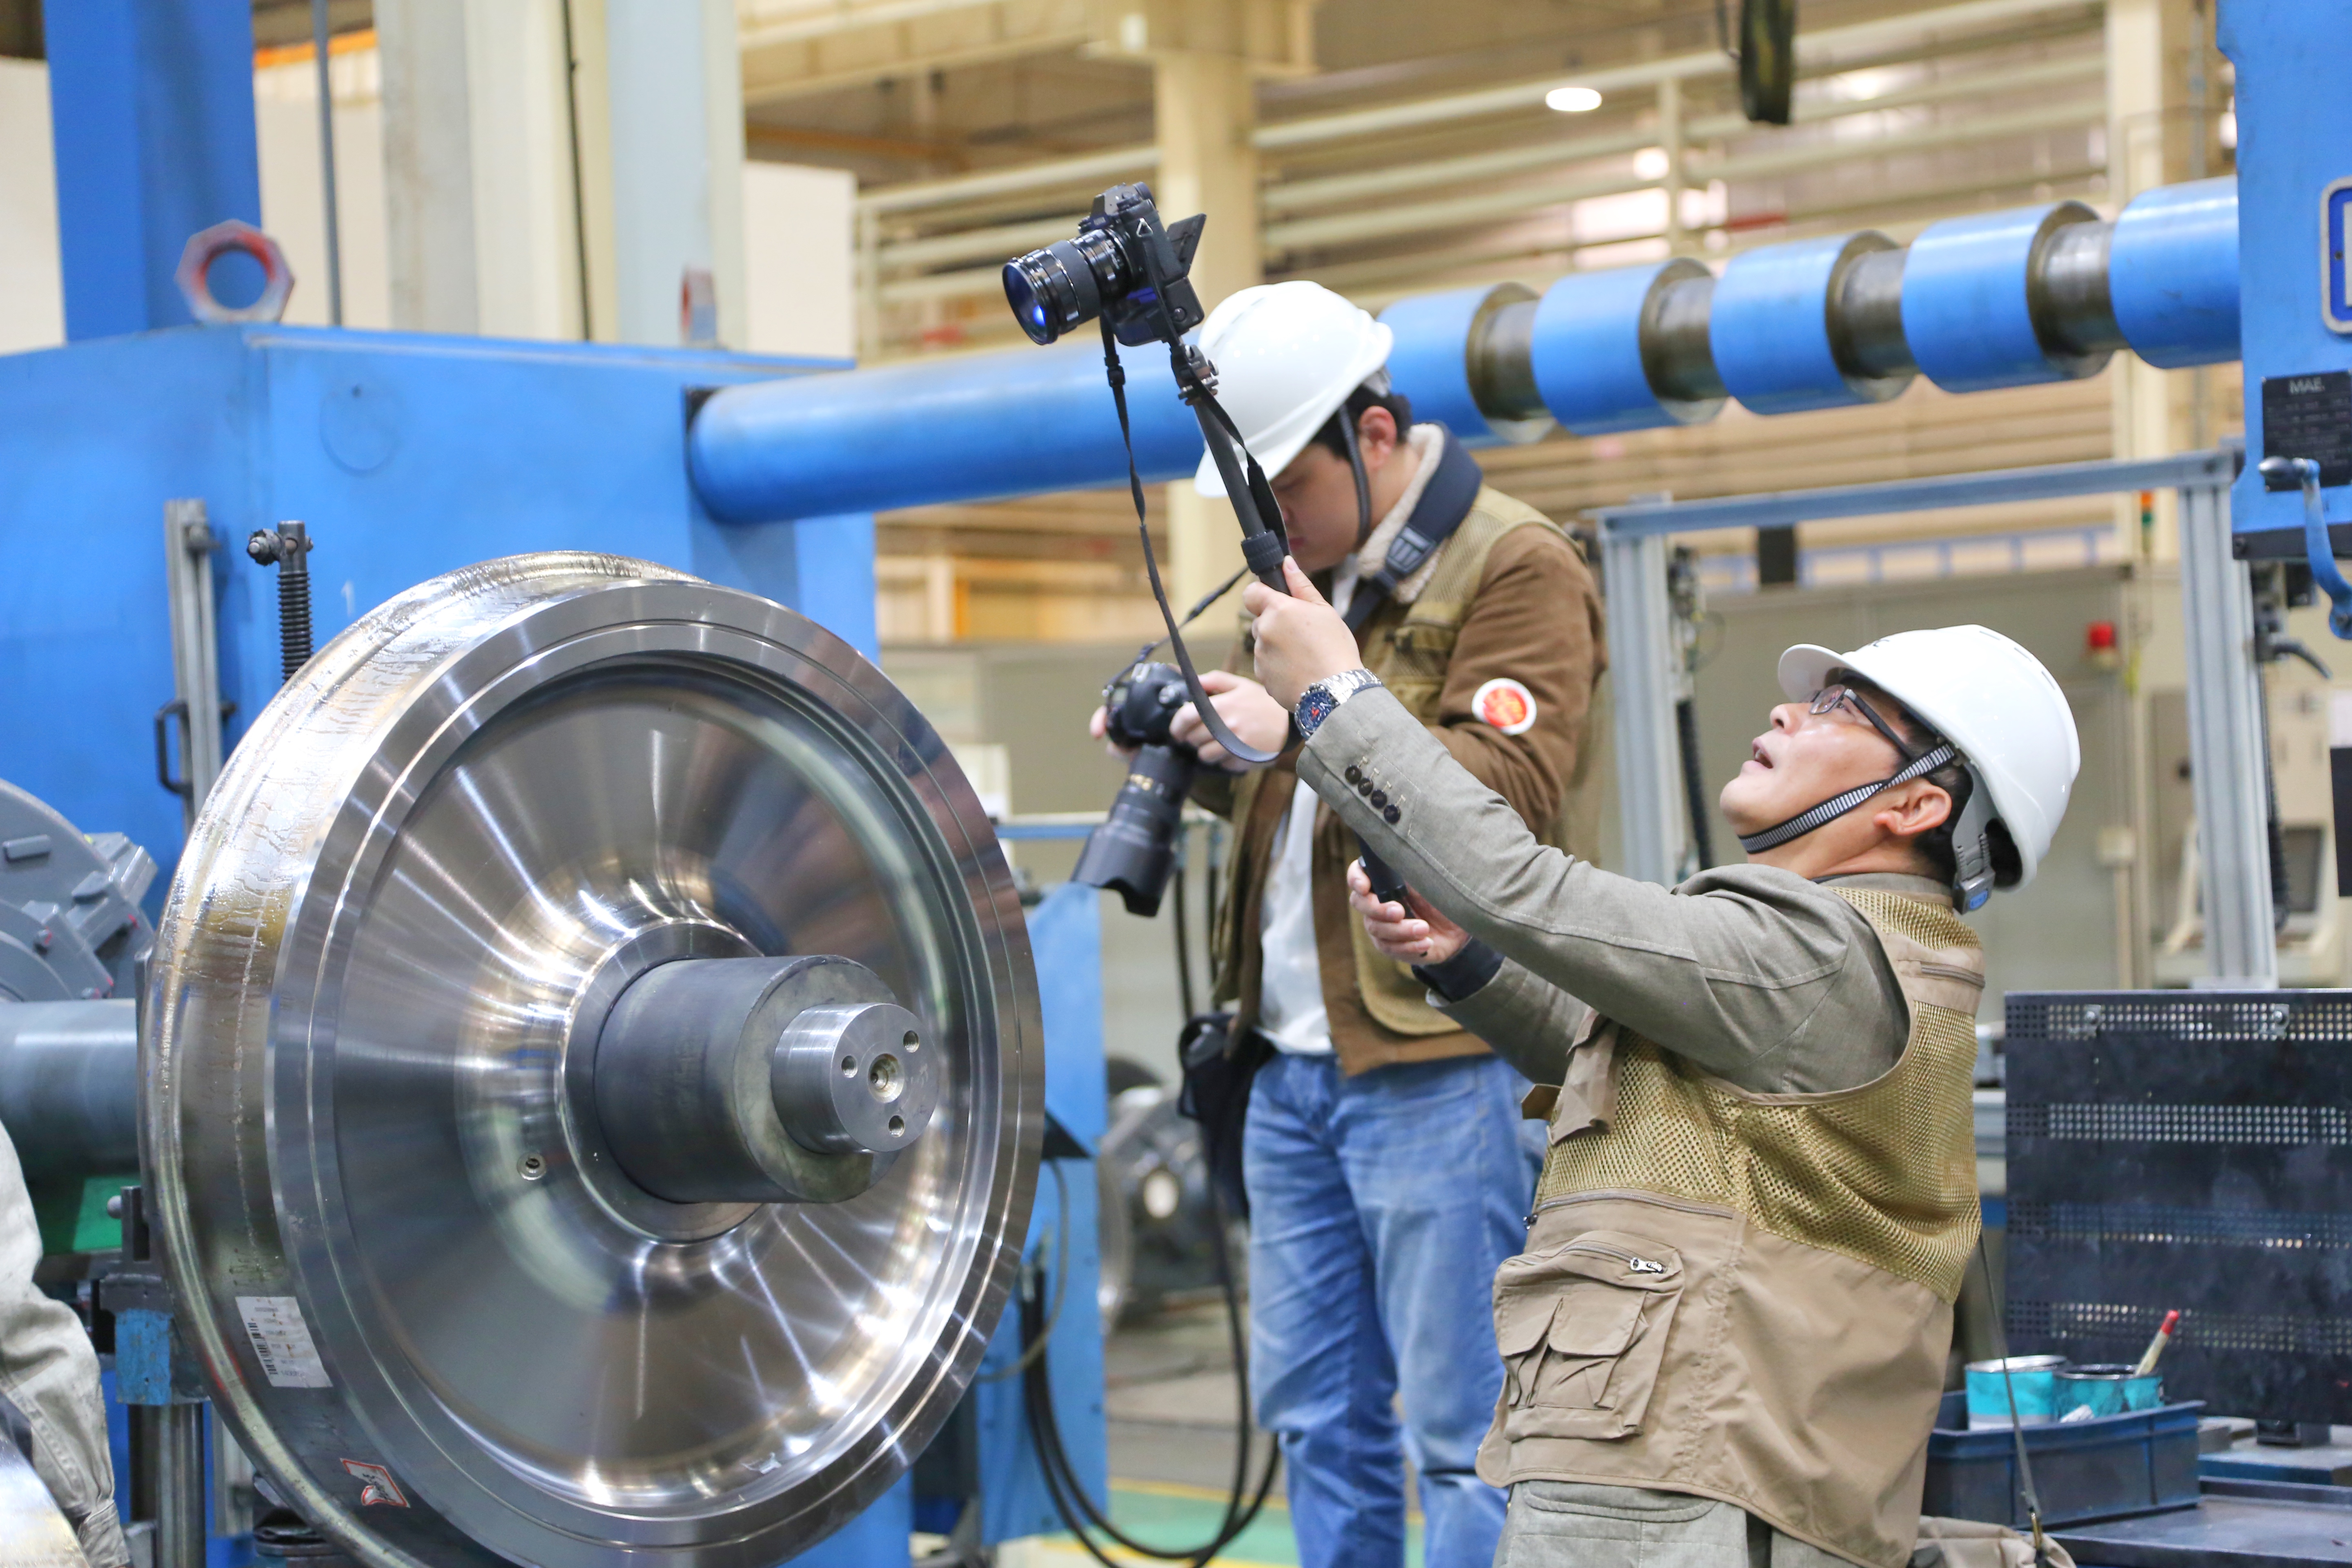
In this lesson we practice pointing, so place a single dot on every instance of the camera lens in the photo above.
(1065, 285)
(1134, 851)
(1051, 290)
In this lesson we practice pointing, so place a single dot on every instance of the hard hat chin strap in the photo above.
(1837, 805)
(1363, 485)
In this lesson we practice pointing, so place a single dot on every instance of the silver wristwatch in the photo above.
(1320, 700)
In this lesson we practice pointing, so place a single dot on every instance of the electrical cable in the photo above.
(1061, 1482)
(2026, 1488)
(1183, 921)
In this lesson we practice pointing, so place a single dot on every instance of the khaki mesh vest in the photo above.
(1749, 1296)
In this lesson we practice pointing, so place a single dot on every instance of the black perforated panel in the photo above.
(2189, 1150)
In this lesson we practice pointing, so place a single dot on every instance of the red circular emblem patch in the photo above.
(1507, 705)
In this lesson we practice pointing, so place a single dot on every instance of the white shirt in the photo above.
(1290, 979)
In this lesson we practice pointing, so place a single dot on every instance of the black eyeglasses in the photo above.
(1829, 698)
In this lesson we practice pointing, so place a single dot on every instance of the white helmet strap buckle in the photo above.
(1972, 876)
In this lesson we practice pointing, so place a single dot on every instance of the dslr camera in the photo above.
(1125, 265)
(1134, 851)
(1132, 270)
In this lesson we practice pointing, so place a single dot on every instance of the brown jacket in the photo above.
(1534, 617)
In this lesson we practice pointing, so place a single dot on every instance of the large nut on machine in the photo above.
(854, 1076)
(761, 1080)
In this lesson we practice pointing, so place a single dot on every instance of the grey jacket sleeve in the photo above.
(1527, 1019)
(48, 1377)
(1755, 974)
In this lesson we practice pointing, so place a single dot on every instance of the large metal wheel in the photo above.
(437, 1310)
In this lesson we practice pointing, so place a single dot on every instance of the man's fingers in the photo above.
(1217, 682)
(1302, 588)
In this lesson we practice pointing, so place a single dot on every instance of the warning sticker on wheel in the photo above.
(281, 1342)
(377, 1489)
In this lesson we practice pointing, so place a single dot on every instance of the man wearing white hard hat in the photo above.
(1726, 1336)
(1382, 1150)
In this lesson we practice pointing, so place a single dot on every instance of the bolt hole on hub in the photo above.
(597, 1001)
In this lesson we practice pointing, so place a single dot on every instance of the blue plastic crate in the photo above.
(2144, 1461)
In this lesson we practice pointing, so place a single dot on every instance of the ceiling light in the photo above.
(1573, 100)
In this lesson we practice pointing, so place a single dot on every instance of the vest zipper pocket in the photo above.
(1582, 1330)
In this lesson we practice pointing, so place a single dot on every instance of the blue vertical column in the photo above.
(151, 110)
(2294, 164)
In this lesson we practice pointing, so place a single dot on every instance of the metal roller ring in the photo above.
(439, 1319)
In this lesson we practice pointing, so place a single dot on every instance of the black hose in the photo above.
(2274, 830)
(1183, 920)
(1061, 1482)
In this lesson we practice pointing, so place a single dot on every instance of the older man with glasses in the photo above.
(1725, 1339)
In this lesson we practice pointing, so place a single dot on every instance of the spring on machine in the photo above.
(288, 546)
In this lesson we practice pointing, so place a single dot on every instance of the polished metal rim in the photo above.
(424, 874)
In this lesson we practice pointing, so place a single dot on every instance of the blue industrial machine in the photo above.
(138, 459)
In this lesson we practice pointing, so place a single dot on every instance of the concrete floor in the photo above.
(1170, 1397)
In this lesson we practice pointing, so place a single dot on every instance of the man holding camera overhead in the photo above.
(1382, 1154)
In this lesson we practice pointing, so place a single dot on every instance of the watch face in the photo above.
(1314, 708)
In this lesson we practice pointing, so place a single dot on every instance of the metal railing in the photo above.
(2226, 749)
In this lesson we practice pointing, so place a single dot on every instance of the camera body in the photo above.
(1125, 265)
(1141, 703)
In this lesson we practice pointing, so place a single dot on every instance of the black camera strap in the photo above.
(1214, 720)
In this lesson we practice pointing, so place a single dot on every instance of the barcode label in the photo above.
(281, 1342)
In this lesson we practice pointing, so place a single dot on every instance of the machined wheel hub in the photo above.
(594, 1076)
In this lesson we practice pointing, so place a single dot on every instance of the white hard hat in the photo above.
(1288, 354)
(1988, 697)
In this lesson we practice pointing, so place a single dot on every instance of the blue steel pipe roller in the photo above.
(1774, 327)
(2006, 298)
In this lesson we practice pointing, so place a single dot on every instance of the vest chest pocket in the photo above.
(1583, 1332)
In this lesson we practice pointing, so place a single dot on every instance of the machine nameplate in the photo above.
(281, 1342)
(2309, 417)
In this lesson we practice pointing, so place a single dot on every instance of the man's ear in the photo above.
(1376, 435)
(1918, 807)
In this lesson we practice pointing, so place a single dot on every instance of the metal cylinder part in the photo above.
(1676, 354)
(441, 855)
(1975, 304)
(2067, 288)
(2172, 274)
(1866, 319)
(177, 1431)
(853, 1078)
(69, 1085)
(1595, 338)
(1448, 362)
(1501, 374)
(731, 1080)
(1774, 326)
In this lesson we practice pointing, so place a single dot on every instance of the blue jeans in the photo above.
(1380, 1208)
